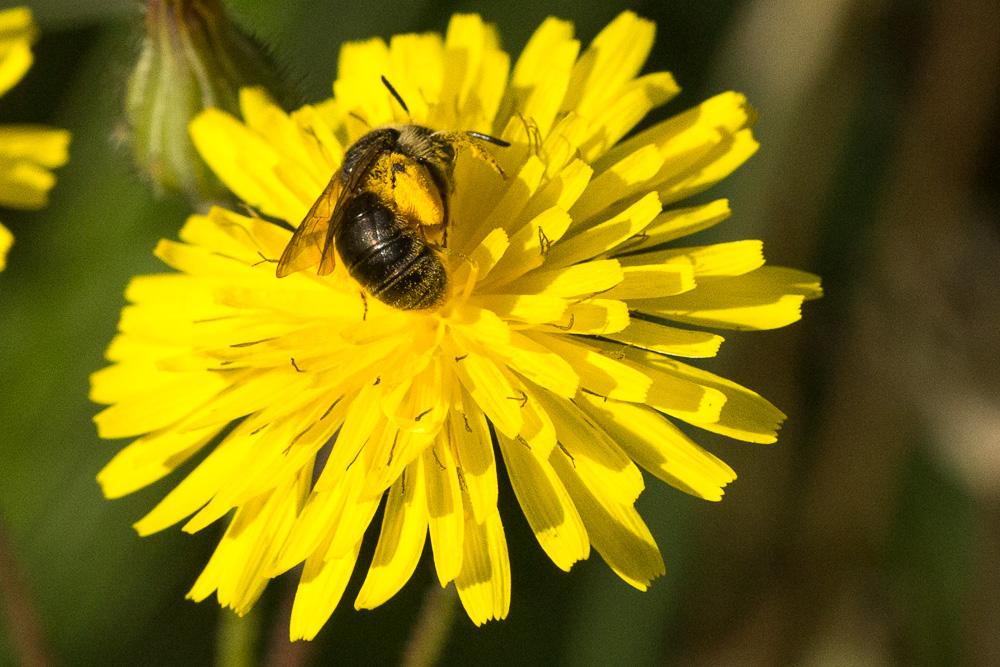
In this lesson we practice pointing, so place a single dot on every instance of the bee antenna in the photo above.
(392, 91)
(358, 117)
(488, 138)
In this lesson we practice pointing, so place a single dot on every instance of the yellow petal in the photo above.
(546, 505)
(587, 243)
(540, 78)
(6, 241)
(363, 414)
(484, 583)
(683, 398)
(768, 298)
(400, 542)
(320, 588)
(745, 415)
(627, 177)
(538, 432)
(717, 117)
(358, 88)
(589, 278)
(473, 450)
(593, 316)
(648, 281)
(288, 445)
(562, 189)
(720, 259)
(506, 212)
(660, 447)
(712, 168)
(214, 472)
(676, 223)
(150, 458)
(319, 142)
(253, 392)
(529, 246)
(16, 23)
(24, 185)
(530, 308)
(44, 146)
(599, 373)
(15, 61)
(416, 70)
(158, 407)
(594, 456)
(445, 514)
(539, 364)
(634, 100)
(491, 390)
(301, 168)
(616, 530)
(246, 163)
(668, 340)
(488, 253)
(238, 570)
(475, 74)
(614, 57)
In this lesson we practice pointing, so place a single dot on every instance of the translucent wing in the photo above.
(306, 246)
(312, 243)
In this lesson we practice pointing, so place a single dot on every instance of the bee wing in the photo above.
(361, 167)
(312, 242)
(307, 244)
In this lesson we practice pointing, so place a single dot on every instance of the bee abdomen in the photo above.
(387, 259)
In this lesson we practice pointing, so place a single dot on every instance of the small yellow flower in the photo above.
(551, 353)
(27, 152)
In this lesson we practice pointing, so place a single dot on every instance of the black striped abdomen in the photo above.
(388, 260)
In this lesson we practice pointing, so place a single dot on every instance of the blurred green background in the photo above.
(869, 535)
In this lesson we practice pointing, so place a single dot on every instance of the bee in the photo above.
(385, 212)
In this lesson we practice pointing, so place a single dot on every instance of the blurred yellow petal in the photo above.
(6, 241)
(15, 59)
(48, 147)
(246, 162)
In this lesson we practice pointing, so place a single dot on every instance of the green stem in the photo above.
(237, 639)
(430, 634)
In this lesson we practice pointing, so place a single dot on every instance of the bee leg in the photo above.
(397, 168)
(474, 146)
(364, 303)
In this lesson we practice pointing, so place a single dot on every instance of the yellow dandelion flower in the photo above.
(27, 153)
(556, 350)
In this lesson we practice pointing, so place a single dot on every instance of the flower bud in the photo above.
(193, 57)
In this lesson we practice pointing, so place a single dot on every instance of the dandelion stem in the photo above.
(237, 639)
(23, 627)
(430, 634)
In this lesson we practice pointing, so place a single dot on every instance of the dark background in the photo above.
(870, 534)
